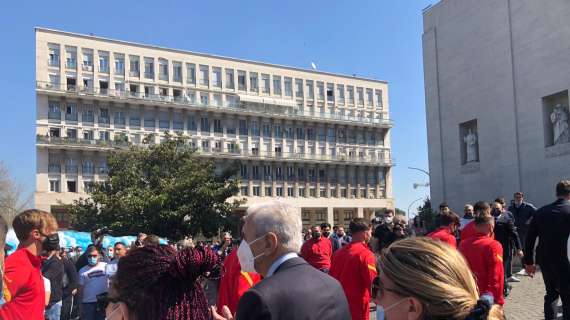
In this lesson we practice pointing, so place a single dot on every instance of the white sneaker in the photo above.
(513, 279)
(522, 273)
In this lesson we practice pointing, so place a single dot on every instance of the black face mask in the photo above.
(326, 234)
(316, 235)
(496, 212)
(51, 242)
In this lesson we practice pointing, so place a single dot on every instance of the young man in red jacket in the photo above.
(354, 266)
(485, 258)
(37, 231)
(318, 251)
(449, 225)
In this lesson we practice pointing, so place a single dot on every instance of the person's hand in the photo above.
(227, 315)
(74, 292)
(530, 270)
(520, 253)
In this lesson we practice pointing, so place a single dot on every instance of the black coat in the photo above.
(295, 291)
(551, 225)
(523, 215)
(506, 233)
(52, 269)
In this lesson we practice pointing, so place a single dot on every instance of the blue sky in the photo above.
(379, 39)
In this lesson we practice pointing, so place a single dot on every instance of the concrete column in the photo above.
(360, 212)
(330, 215)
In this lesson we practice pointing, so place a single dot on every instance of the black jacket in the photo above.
(551, 225)
(295, 291)
(52, 269)
(522, 215)
(506, 233)
(71, 275)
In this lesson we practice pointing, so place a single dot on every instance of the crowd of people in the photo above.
(459, 270)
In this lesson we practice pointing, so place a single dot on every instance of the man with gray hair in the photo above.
(291, 288)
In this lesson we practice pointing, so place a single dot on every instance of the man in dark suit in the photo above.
(551, 225)
(291, 288)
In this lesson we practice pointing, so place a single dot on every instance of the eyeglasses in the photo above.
(378, 289)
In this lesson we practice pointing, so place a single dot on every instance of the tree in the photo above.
(12, 197)
(164, 189)
(427, 215)
(400, 212)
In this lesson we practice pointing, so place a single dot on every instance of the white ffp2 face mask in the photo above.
(245, 256)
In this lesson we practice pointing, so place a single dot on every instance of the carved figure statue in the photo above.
(470, 140)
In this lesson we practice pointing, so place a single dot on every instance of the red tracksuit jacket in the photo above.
(444, 234)
(485, 258)
(354, 266)
(318, 253)
(26, 295)
(234, 283)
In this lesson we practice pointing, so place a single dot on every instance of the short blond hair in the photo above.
(31, 219)
(434, 273)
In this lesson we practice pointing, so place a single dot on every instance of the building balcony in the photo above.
(383, 159)
(255, 106)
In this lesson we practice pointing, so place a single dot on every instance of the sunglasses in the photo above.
(378, 289)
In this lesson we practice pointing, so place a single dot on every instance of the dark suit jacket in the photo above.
(551, 225)
(296, 291)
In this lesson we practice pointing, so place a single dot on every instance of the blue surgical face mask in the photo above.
(381, 311)
(92, 261)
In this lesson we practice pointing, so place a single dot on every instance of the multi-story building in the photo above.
(496, 84)
(317, 140)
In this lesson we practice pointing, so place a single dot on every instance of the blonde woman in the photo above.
(421, 278)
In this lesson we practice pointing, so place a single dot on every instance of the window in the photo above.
(88, 135)
(256, 192)
(310, 91)
(149, 121)
(217, 98)
(204, 98)
(71, 112)
(88, 60)
(229, 78)
(205, 125)
(279, 191)
(360, 93)
(134, 66)
(288, 87)
(312, 192)
(53, 80)
(54, 186)
(277, 85)
(241, 81)
(289, 133)
(320, 90)
(268, 191)
(243, 171)
(253, 85)
(289, 191)
(177, 71)
(191, 122)
(71, 58)
(88, 167)
(301, 192)
(119, 64)
(71, 186)
(265, 83)
(299, 88)
(218, 126)
(330, 92)
(104, 136)
(378, 94)
(278, 132)
(87, 115)
(104, 61)
(243, 130)
(340, 94)
(54, 132)
(350, 91)
(255, 172)
(267, 131)
(163, 121)
(119, 88)
(230, 126)
(300, 133)
(149, 68)
(191, 73)
(53, 60)
(243, 191)
(163, 69)
(254, 129)
(103, 87)
(204, 75)
(217, 77)
(71, 134)
(205, 145)
(104, 116)
(369, 97)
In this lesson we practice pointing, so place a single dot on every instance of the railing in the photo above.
(81, 142)
(71, 117)
(53, 62)
(257, 108)
(134, 73)
(71, 169)
(71, 64)
(54, 168)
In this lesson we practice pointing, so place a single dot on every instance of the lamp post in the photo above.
(408, 213)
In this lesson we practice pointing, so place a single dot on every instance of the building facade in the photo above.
(317, 140)
(496, 86)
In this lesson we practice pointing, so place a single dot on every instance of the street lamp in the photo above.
(408, 214)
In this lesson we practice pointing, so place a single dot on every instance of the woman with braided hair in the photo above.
(422, 278)
(157, 283)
